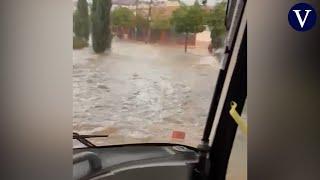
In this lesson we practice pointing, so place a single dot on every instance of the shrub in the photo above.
(101, 32)
(79, 43)
(81, 20)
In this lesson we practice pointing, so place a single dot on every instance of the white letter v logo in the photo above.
(302, 22)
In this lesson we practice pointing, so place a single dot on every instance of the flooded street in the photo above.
(141, 93)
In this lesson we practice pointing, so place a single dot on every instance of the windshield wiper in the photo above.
(83, 138)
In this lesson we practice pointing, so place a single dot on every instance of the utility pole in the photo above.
(136, 26)
(137, 3)
(149, 22)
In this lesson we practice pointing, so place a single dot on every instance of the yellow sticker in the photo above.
(237, 118)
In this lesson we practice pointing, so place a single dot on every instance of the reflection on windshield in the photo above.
(148, 78)
(77, 144)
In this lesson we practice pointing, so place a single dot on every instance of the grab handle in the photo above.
(94, 160)
(237, 118)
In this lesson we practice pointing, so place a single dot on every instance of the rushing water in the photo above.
(141, 93)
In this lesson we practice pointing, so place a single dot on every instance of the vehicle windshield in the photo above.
(145, 71)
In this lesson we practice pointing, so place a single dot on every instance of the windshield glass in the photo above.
(145, 71)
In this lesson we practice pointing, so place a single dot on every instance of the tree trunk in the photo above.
(186, 43)
(163, 37)
(122, 32)
(148, 38)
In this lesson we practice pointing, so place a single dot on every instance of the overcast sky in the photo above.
(189, 2)
(209, 2)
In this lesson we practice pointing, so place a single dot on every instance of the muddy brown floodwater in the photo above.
(141, 93)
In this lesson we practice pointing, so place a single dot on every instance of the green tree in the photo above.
(122, 17)
(100, 18)
(141, 22)
(215, 21)
(141, 25)
(160, 22)
(81, 20)
(188, 19)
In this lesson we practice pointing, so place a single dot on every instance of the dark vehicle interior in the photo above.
(174, 161)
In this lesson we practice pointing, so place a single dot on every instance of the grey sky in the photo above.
(189, 2)
(209, 2)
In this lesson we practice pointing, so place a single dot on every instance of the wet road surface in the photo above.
(140, 93)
